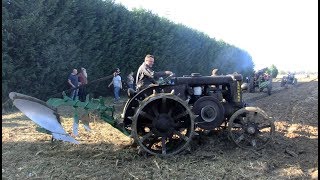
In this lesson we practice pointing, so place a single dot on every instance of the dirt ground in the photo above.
(104, 153)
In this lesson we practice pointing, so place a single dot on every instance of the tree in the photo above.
(43, 40)
(273, 71)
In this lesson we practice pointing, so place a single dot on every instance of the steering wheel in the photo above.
(166, 81)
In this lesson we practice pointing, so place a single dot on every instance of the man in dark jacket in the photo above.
(73, 81)
(145, 75)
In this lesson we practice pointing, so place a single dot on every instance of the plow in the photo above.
(163, 119)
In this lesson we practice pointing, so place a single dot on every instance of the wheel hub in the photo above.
(252, 129)
(163, 124)
(208, 113)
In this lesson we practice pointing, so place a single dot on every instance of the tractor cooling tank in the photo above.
(201, 80)
(197, 90)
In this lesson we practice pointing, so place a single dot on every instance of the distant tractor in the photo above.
(289, 79)
(260, 80)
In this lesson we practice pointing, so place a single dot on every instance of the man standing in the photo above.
(130, 80)
(117, 84)
(74, 83)
(83, 80)
(145, 75)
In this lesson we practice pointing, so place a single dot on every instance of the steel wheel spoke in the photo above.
(252, 116)
(149, 134)
(164, 148)
(263, 126)
(239, 139)
(151, 143)
(243, 120)
(180, 115)
(155, 110)
(144, 114)
(253, 143)
(181, 135)
(170, 112)
(248, 117)
(163, 104)
(262, 138)
(237, 125)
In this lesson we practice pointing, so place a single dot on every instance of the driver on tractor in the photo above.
(146, 76)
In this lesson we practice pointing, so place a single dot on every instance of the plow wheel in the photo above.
(251, 128)
(163, 124)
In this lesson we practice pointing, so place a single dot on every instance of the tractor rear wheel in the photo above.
(295, 81)
(269, 87)
(252, 85)
(163, 124)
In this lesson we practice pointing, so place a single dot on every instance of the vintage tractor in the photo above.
(164, 118)
(260, 80)
(289, 79)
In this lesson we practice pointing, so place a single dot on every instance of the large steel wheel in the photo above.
(163, 124)
(295, 81)
(251, 128)
(252, 85)
(269, 87)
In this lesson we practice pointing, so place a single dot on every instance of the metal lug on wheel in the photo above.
(188, 149)
(195, 133)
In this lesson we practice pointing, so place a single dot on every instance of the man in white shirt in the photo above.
(117, 84)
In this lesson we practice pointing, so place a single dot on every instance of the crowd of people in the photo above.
(145, 77)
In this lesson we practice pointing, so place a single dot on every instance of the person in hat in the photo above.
(117, 85)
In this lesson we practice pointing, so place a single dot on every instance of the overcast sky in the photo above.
(280, 32)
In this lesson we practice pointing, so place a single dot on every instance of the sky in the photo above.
(279, 32)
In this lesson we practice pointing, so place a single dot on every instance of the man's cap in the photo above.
(117, 70)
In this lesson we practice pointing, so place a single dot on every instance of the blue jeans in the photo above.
(74, 94)
(130, 86)
(116, 93)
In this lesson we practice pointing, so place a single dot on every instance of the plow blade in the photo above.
(42, 114)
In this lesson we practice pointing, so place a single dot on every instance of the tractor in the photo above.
(260, 80)
(163, 119)
(289, 79)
